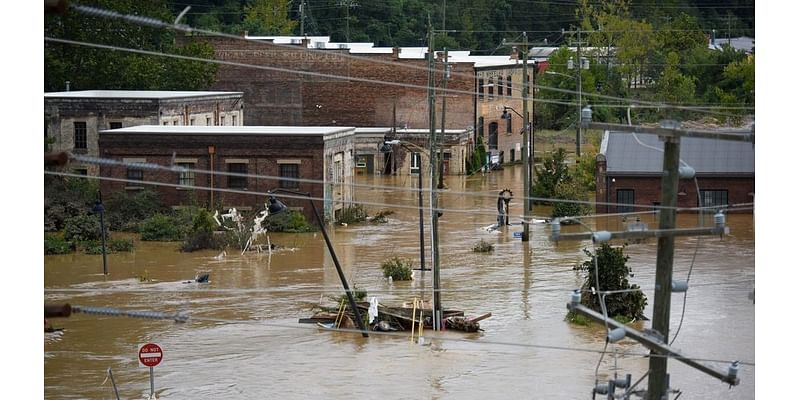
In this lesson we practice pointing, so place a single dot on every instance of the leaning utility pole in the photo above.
(434, 165)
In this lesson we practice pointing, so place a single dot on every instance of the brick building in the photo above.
(270, 152)
(338, 95)
(73, 119)
(629, 172)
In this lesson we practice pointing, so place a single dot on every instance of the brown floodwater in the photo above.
(243, 339)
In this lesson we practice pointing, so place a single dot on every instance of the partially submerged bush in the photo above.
(291, 222)
(161, 227)
(201, 234)
(352, 214)
(54, 244)
(397, 268)
(112, 246)
(613, 275)
(483, 247)
(81, 228)
(380, 217)
(125, 211)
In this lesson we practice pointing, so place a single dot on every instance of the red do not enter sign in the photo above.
(150, 354)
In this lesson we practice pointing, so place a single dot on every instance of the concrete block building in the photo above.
(73, 120)
(224, 163)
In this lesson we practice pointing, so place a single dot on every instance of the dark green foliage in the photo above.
(125, 211)
(478, 157)
(613, 275)
(483, 247)
(292, 222)
(570, 191)
(201, 235)
(65, 198)
(162, 227)
(112, 246)
(552, 172)
(91, 68)
(352, 214)
(54, 244)
(82, 228)
(397, 268)
(358, 295)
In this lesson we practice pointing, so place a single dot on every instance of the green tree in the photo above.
(553, 172)
(575, 196)
(611, 273)
(89, 68)
(268, 17)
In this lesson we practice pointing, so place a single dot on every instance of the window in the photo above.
(500, 86)
(186, 177)
(289, 171)
(416, 162)
(208, 121)
(480, 89)
(80, 135)
(191, 121)
(512, 155)
(237, 182)
(135, 174)
(493, 136)
(233, 120)
(222, 120)
(713, 198)
(115, 125)
(166, 123)
(625, 200)
(491, 89)
(508, 88)
(508, 125)
(80, 171)
(480, 126)
(175, 122)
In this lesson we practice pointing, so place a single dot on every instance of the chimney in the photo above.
(395, 52)
(67, 85)
(514, 53)
(304, 42)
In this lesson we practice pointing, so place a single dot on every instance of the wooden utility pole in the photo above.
(434, 165)
(578, 67)
(527, 153)
(657, 381)
(445, 77)
(671, 133)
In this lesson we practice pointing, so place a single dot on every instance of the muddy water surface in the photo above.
(243, 339)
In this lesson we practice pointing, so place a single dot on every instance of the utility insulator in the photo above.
(686, 172)
(680, 286)
(555, 229)
(733, 370)
(615, 335)
(601, 236)
(576, 297)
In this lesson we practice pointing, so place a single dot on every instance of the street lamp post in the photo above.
(582, 64)
(526, 161)
(275, 206)
(99, 209)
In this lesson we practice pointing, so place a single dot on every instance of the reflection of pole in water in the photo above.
(526, 280)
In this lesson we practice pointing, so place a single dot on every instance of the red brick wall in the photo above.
(280, 98)
(262, 152)
(647, 190)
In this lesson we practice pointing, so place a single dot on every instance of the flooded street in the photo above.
(243, 339)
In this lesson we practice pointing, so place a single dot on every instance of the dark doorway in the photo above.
(493, 136)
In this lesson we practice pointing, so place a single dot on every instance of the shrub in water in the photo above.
(483, 247)
(161, 227)
(291, 222)
(57, 245)
(397, 268)
(82, 227)
(352, 215)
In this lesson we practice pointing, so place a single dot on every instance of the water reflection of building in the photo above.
(272, 152)
(629, 170)
(74, 119)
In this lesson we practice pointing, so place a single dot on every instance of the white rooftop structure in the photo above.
(232, 130)
(136, 94)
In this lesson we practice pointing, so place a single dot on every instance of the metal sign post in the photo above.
(150, 355)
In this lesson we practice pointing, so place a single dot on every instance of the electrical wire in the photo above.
(152, 22)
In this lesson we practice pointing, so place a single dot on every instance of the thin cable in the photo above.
(152, 22)
(188, 318)
(152, 166)
(691, 266)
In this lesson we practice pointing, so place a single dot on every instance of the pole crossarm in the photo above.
(653, 343)
(732, 135)
(644, 234)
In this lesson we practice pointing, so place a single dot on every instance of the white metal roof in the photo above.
(231, 130)
(136, 94)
